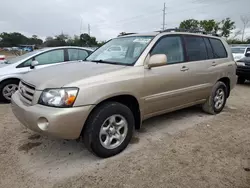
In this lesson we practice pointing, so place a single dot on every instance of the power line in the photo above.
(125, 22)
(155, 12)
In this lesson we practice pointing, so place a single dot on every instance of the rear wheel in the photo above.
(109, 129)
(241, 80)
(7, 88)
(217, 100)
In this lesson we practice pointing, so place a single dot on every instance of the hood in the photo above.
(7, 68)
(238, 56)
(3, 65)
(59, 75)
(245, 60)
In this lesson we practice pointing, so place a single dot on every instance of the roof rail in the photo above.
(189, 31)
(124, 34)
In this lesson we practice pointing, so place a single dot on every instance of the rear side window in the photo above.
(76, 54)
(218, 48)
(171, 46)
(195, 48)
(209, 48)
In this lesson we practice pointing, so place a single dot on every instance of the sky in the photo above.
(107, 18)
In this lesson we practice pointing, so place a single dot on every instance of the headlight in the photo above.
(64, 97)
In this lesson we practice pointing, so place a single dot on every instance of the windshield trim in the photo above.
(132, 64)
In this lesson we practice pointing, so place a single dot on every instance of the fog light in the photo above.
(43, 124)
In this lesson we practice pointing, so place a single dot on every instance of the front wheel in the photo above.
(109, 129)
(7, 88)
(217, 99)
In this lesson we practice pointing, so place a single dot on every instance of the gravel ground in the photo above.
(182, 149)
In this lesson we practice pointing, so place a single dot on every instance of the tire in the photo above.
(3, 85)
(241, 80)
(101, 118)
(210, 106)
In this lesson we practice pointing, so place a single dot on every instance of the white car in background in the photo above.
(11, 71)
(239, 52)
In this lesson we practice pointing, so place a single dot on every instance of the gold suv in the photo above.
(127, 80)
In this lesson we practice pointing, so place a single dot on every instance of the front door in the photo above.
(50, 58)
(167, 87)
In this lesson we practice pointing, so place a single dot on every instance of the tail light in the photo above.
(2, 58)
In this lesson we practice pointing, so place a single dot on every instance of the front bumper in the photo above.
(66, 123)
(243, 71)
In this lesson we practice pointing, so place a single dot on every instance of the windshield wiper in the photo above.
(103, 61)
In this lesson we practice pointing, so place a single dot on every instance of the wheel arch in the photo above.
(126, 99)
(11, 78)
(226, 81)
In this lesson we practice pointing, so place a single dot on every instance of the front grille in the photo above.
(26, 91)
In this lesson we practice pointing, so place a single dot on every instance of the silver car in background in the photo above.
(239, 52)
(12, 70)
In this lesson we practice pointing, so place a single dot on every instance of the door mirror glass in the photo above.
(33, 64)
(157, 60)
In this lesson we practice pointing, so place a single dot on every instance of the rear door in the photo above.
(222, 63)
(201, 66)
(73, 54)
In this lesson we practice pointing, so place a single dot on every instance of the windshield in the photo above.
(238, 50)
(124, 50)
(21, 57)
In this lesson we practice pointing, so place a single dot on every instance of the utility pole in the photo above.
(81, 27)
(164, 17)
(89, 29)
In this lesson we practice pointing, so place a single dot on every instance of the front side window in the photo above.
(171, 46)
(76, 54)
(123, 50)
(196, 48)
(55, 56)
(247, 54)
(218, 47)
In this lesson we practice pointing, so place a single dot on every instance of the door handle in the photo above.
(214, 64)
(184, 68)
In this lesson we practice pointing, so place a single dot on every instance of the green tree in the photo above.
(34, 36)
(190, 24)
(58, 40)
(227, 25)
(12, 39)
(34, 40)
(86, 40)
(101, 43)
(210, 25)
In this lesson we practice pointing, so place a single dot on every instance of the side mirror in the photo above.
(157, 61)
(33, 64)
(247, 54)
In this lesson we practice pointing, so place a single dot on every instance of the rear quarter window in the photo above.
(218, 48)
